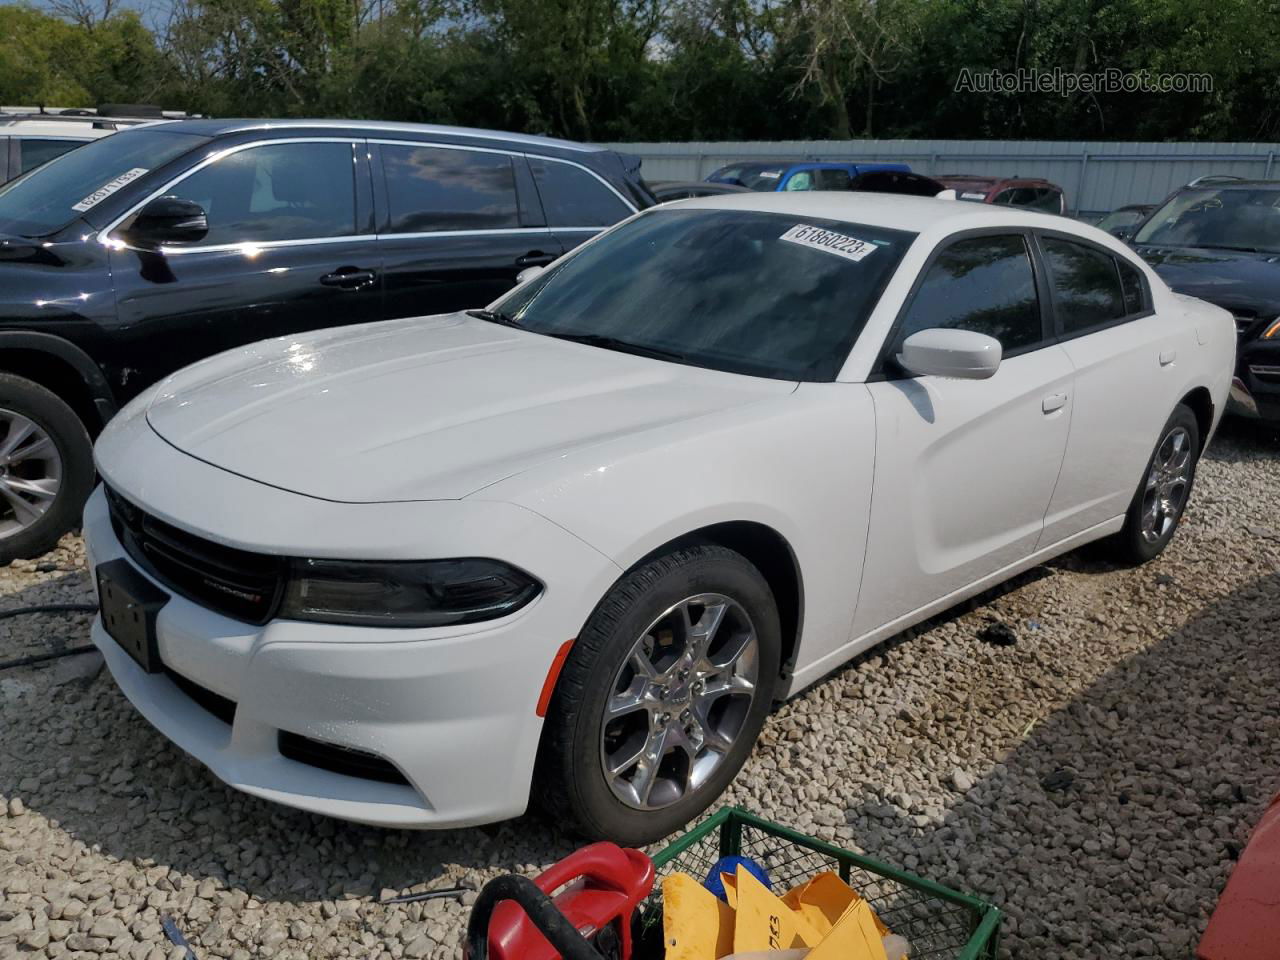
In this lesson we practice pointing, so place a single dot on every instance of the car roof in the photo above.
(975, 179)
(218, 128)
(894, 211)
(1210, 183)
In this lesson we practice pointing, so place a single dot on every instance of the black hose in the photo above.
(553, 924)
(48, 608)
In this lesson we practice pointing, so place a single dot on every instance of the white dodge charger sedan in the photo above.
(574, 546)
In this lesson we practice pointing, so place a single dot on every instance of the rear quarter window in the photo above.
(572, 197)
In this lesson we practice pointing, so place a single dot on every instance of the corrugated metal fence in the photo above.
(1097, 176)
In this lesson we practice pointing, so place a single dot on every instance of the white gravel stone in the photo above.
(1096, 779)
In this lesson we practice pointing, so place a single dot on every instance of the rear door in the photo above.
(457, 224)
(964, 469)
(578, 203)
(290, 247)
(1127, 378)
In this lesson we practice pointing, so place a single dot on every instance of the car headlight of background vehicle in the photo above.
(428, 593)
(1273, 330)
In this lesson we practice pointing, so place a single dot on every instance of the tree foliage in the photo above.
(663, 69)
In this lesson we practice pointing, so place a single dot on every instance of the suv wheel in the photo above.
(46, 468)
(662, 697)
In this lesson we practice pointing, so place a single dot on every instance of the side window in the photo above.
(1085, 283)
(35, 152)
(1135, 300)
(830, 180)
(1005, 196)
(800, 180)
(571, 197)
(1046, 200)
(280, 191)
(985, 284)
(432, 188)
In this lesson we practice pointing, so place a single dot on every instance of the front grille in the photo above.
(344, 760)
(1244, 323)
(237, 583)
(216, 704)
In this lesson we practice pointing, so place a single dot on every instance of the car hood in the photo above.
(1247, 284)
(430, 408)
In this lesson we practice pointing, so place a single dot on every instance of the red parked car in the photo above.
(1016, 191)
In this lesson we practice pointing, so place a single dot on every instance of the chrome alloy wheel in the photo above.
(30, 472)
(1166, 491)
(679, 701)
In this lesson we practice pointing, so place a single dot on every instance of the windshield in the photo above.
(52, 195)
(763, 294)
(1233, 219)
(753, 176)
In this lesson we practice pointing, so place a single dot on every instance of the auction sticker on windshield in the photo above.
(108, 188)
(828, 241)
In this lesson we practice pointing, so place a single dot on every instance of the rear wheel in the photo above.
(662, 697)
(46, 468)
(1162, 496)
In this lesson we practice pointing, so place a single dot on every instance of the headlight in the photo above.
(1273, 331)
(429, 593)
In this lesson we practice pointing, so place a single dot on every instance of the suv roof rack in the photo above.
(114, 112)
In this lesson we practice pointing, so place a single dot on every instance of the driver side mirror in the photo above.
(959, 354)
(167, 220)
(528, 273)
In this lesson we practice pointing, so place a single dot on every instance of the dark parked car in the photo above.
(1015, 191)
(781, 175)
(1122, 221)
(896, 181)
(1219, 239)
(152, 248)
(665, 191)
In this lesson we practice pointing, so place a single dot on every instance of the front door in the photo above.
(284, 253)
(964, 469)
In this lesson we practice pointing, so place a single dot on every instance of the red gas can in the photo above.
(602, 886)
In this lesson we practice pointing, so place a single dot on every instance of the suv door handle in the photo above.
(1055, 401)
(349, 278)
(535, 258)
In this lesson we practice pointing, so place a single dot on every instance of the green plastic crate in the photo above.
(940, 923)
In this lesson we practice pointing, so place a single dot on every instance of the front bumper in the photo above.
(1255, 391)
(453, 710)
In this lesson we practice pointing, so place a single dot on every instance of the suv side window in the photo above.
(278, 191)
(1086, 285)
(1046, 199)
(985, 284)
(571, 197)
(828, 179)
(35, 152)
(434, 188)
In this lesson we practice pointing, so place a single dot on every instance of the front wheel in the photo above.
(1162, 496)
(46, 468)
(662, 697)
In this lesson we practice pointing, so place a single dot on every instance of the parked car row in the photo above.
(551, 506)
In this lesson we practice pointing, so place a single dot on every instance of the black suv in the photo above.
(1218, 238)
(152, 248)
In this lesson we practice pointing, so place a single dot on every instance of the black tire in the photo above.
(1132, 544)
(570, 783)
(75, 450)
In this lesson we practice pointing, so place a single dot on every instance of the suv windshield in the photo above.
(54, 194)
(1234, 218)
(753, 176)
(763, 294)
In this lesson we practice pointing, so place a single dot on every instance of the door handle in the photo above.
(1055, 401)
(535, 258)
(1167, 357)
(349, 278)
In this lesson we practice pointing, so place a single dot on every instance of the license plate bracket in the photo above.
(129, 604)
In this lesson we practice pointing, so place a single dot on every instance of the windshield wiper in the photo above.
(622, 346)
(1223, 246)
(495, 316)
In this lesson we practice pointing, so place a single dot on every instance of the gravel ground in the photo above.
(1096, 778)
